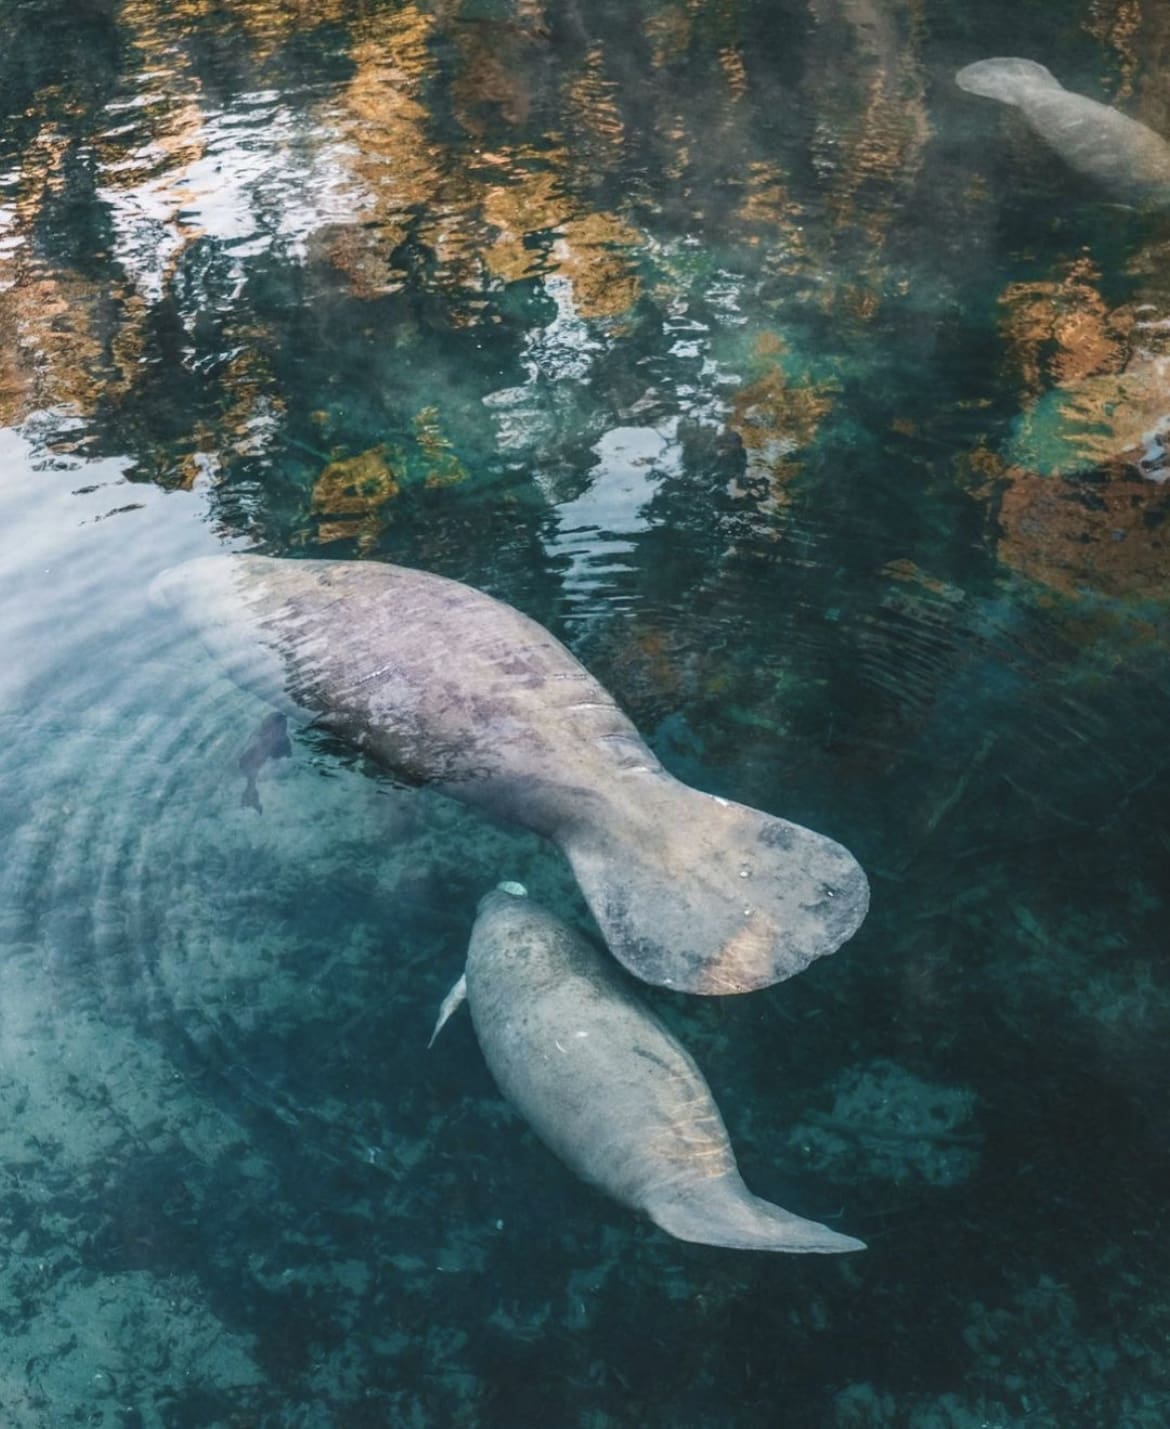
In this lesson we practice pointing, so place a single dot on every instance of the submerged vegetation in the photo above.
(824, 414)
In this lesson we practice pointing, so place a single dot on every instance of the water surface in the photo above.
(817, 407)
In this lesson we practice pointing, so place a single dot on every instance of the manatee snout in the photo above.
(503, 896)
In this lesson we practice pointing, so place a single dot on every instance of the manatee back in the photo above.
(1010, 80)
(439, 682)
(1117, 152)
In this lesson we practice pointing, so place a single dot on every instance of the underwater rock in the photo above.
(606, 1086)
(443, 685)
(1125, 157)
(885, 1123)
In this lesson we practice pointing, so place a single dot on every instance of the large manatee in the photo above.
(1125, 157)
(444, 685)
(604, 1084)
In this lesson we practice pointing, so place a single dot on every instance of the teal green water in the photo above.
(818, 407)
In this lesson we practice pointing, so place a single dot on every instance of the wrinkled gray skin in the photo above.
(606, 1087)
(446, 686)
(1126, 158)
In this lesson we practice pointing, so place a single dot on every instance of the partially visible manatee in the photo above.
(1126, 158)
(606, 1086)
(446, 686)
(270, 741)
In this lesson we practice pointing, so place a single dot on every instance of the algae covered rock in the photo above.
(887, 1123)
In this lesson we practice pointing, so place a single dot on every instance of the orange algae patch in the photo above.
(355, 490)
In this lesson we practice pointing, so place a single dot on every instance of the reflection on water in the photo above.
(825, 415)
(595, 528)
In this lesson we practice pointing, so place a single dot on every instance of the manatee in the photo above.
(1126, 158)
(606, 1086)
(443, 685)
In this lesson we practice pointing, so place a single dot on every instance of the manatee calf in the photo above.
(446, 686)
(1122, 155)
(604, 1084)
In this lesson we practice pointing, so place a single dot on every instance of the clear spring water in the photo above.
(816, 405)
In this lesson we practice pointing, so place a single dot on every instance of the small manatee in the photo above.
(606, 1086)
(1123, 156)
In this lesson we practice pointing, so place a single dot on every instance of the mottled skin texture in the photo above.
(607, 1087)
(1126, 158)
(444, 685)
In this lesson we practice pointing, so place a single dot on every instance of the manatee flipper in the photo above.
(733, 899)
(270, 741)
(1008, 80)
(457, 995)
(723, 1211)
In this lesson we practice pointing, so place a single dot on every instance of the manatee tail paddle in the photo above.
(1008, 80)
(724, 1212)
(698, 894)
